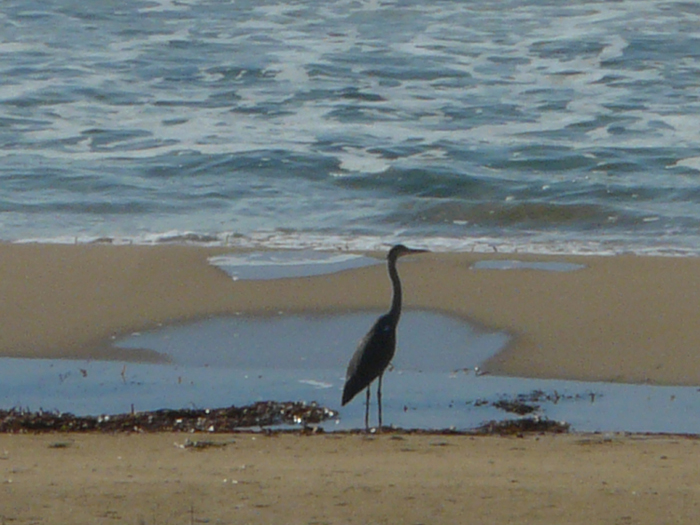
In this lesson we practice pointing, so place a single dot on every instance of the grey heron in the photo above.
(376, 349)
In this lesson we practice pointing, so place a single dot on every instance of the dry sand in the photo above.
(345, 479)
(624, 318)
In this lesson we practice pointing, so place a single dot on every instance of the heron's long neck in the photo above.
(395, 311)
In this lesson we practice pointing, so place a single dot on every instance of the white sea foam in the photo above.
(332, 244)
(692, 162)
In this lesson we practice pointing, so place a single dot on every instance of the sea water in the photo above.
(515, 125)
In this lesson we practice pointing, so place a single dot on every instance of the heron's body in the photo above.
(372, 357)
(377, 348)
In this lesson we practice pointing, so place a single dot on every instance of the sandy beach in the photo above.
(291, 479)
(626, 318)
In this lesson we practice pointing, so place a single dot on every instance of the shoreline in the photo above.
(623, 318)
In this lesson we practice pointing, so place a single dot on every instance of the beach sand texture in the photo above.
(393, 479)
(626, 318)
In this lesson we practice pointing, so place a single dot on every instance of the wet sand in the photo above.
(626, 318)
(290, 479)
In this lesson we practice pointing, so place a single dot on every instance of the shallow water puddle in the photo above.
(284, 264)
(237, 361)
(427, 342)
(514, 264)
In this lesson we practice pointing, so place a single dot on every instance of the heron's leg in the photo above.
(367, 411)
(379, 400)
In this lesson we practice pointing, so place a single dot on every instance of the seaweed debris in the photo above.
(261, 414)
(522, 426)
(524, 404)
(540, 396)
(516, 407)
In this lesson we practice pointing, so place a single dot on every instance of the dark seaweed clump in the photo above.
(516, 407)
(524, 404)
(517, 427)
(262, 414)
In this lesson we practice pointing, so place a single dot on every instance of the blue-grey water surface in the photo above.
(533, 125)
(432, 384)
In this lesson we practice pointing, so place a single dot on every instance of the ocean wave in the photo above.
(603, 245)
(529, 123)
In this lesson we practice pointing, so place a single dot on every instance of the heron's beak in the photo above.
(412, 251)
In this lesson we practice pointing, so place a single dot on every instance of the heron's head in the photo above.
(400, 250)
